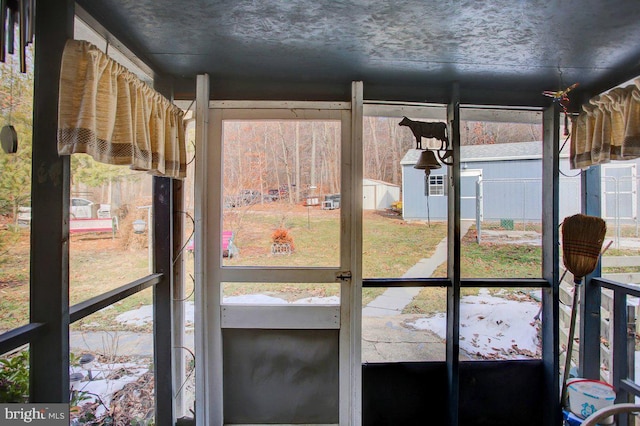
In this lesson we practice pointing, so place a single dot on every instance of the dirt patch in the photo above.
(94, 242)
(506, 237)
(10, 284)
(134, 401)
(133, 404)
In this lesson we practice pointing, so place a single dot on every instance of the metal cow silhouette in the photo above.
(421, 129)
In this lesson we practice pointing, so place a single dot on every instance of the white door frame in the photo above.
(633, 179)
(210, 273)
(478, 196)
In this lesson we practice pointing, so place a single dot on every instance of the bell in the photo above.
(427, 162)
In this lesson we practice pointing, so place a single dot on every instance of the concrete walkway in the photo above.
(394, 300)
(120, 343)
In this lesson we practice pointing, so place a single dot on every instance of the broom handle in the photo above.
(572, 326)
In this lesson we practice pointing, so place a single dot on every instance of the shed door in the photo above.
(619, 183)
(369, 197)
(278, 292)
(469, 195)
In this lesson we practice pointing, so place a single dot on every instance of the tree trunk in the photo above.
(313, 182)
(396, 152)
(287, 167)
(297, 178)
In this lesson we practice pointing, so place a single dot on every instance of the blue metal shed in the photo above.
(498, 181)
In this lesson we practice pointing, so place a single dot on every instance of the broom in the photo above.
(582, 238)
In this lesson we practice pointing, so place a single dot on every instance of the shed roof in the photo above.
(368, 181)
(492, 152)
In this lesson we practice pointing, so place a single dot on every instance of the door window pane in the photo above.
(281, 193)
(281, 293)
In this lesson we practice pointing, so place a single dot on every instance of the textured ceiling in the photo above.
(499, 52)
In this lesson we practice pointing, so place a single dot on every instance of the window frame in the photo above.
(435, 189)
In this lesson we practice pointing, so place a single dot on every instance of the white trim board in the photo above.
(292, 317)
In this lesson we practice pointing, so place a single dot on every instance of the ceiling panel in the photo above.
(499, 52)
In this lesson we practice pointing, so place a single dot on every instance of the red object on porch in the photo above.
(227, 237)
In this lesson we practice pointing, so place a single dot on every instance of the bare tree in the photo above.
(297, 179)
(313, 182)
(285, 158)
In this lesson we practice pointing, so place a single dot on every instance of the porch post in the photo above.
(163, 299)
(179, 295)
(591, 296)
(169, 293)
(49, 271)
(453, 262)
(550, 268)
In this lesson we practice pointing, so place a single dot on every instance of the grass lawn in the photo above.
(97, 264)
(486, 260)
(14, 278)
(390, 247)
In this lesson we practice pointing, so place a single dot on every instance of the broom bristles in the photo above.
(582, 238)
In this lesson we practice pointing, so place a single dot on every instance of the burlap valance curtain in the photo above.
(607, 128)
(107, 112)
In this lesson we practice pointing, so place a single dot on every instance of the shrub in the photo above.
(282, 236)
(129, 240)
(14, 378)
